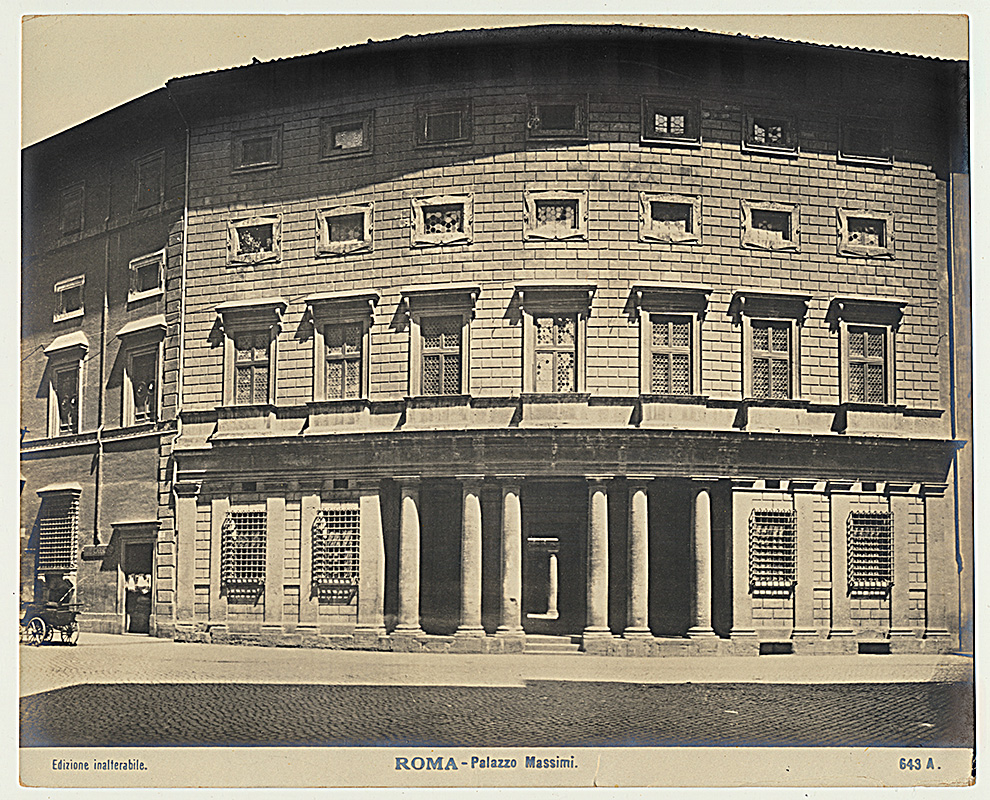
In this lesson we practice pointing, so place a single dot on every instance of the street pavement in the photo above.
(138, 691)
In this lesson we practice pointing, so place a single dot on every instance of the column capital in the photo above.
(595, 479)
(408, 480)
(934, 489)
(839, 487)
(638, 480)
(808, 486)
(470, 479)
(187, 488)
(704, 478)
(890, 488)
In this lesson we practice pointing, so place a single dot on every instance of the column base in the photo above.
(597, 641)
(932, 633)
(841, 633)
(701, 633)
(408, 631)
(902, 633)
(513, 632)
(469, 632)
(637, 633)
(804, 633)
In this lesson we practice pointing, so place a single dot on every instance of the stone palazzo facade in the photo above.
(634, 341)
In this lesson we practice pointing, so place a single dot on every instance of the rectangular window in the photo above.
(444, 123)
(65, 385)
(243, 539)
(251, 367)
(445, 219)
(556, 214)
(146, 275)
(345, 136)
(670, 121)
(254, 240)
(769, 134)
(769, 226)
(344, 345)
(441, 220)
(336, 553)
(670, 355)
(150, 181)
(257, 149)
(58, 533)
(557, 118)
(559, 216)
(772, 552)
(867, 365)
(771, 355)
(867, 234)
(556, 353)
(441, 352)
(72, 209)
(870, 552)
(343, 230)
(142, 373)
(670, 218)
(865, 142)
(69, 298)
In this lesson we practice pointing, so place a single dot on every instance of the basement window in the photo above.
(772, 553)
(336, 553)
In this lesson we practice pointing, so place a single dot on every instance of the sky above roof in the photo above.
(75, 67)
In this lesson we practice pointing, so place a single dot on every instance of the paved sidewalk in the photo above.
(110, 659)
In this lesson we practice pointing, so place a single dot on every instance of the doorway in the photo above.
(137, 569)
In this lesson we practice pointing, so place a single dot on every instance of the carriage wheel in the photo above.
(38, 631)
(70, 633)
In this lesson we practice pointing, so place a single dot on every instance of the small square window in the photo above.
(254, 240)
(441, 220)
(553, 214)
(146, 276)
(557, 118)
(345, 136)
(769, 226)
(444, 123)
(670, 121)
(343, 230)
(670, 218)
(770, 134)
(150, 180)
(71, 212)
(865, 142)
(866, 234)
(69, 298)
(257, 149)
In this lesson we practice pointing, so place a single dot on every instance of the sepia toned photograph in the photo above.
(497, 401)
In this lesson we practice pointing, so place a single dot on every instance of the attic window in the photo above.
(257, 149)
(345, 136)
(557, 118)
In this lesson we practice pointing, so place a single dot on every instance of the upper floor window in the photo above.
(554, 336)
(771, 354)
(142, 369)
(344, 230)
(251, 331)
(252, 367)
(65, 362)
(556, 214)
(555, 353)
(557, 117)
(69, 298)
(254, 240)
(865, 141)
(670, 121)
(866, 233)
(146, 275)
(770, 133)
(866, 340)
(670, 218)
(346, 136)
(258, 148)
(443, 219)
(769, 226)
(150, 181)
(439, 338)
(341, 324)
(448, 122)
(771, 343)
(670, 318)
(441, 353)
(72, 208)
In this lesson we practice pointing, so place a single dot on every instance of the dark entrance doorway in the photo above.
(137, 568)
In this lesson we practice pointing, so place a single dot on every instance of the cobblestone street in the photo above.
(124, 691)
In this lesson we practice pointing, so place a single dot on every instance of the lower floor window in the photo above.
(771, 359)
(772, 563)
(251, 368)
(870, 553)
(336, 539)
(243, 538)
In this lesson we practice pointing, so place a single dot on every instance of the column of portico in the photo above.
(470, 622)
(510, 619)
(371, 558)
(637, 621)
(409, 543)
(597, 610)
(701, 610)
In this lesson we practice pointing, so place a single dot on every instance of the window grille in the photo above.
(441, 355)
(556, 353)
(669, 124)
(345, 228)
(343, 343)
(58, 533)
(772, 561)
(251, 368)
(769, 132)
(243, 538)
(870, 552)
(559, 214)
(867, 365)
(671, 355)
(771, 359)
(66, 386)
(447, 218)
(336, 554)
(144, 386)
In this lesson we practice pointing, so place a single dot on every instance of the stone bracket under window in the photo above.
(355, 311)
(344, 136)
(770, 226)
(343, 230)
(555, 214)
(432, 304)
(254, 240)
(869, 234)
(770, 134)
(441, 219)
(670, 121)
(670, 218)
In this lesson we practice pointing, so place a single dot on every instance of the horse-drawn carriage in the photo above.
(41, 620)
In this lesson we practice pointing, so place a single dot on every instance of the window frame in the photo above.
(780, 309)
(340, 308)
(274, 132)
(130, 406)
(138, 338)
(260, 257)
(691, 109)
(790, 147)
(534, 130)
(419, 205)
(64, 285)
(534, 232)
(139, 164)
(879, 587)
(61, 495)
(251, 317)
(326, 247)
(79, 225)
(670, 300)
(462, 106)
(555, 299)
(329, 125)
(758, 561)
(135, 264)
(442, 300)
(67, 352)
(649, 232)
(881, 313)
(324, 589)
(228, 550)
(847, 248)
(752, 239)
(882, 158)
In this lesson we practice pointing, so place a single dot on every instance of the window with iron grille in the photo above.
(772, 548)
(556, 214)
(58, 533)
(556, 353)
(771, 354)
(441, 353)
(867, 365)
(670, 355)
(251, 367)
(443, 219)
(447, 123)
(336, 553)
(344, 345)
(142, 374)
(65, 385)
(870, 552)
(669, 121)
(243, 539)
